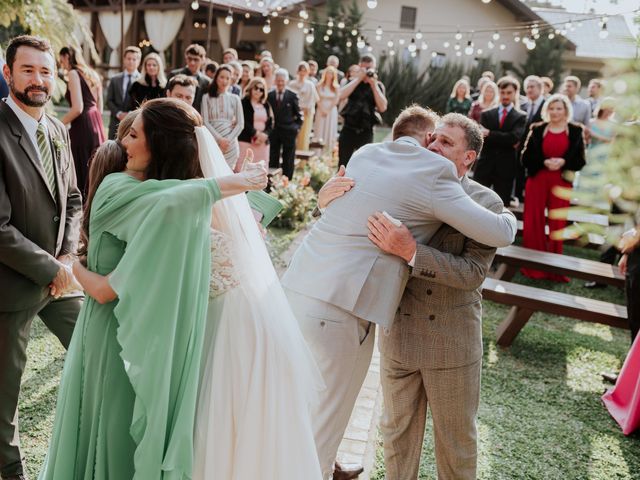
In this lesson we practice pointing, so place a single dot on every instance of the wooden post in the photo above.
(515, 321)
(122, 34)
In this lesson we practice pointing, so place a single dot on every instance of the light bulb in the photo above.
(412, 46)
(392, 52)
(490, 44)
(305, 30)
(379, 30)
(378, 38)
(434, 54)
(486, 1)
(330, 23)
(229, 18)
(261, 4)
(326, 38)
(535, 31)
(456, 47)
(390, 43)
(267, 27)
(369, 48)
(247, 15)
(304, 14)
(414, 54)
(340, 24)
(372, 4)
(360, 44)
(329, 32)
(479, 51)
(446, 44)
(401, 41)
(458, 35)
(551, 36)
(604, 33)
(419, 35)
(469, 48)
(348, 44)
(274, 14)
(517, 38)
(503, 46)
(424, 46)
(301, 25)
(458, 53)
(496, 36)
(310, 37)
(285, 21)
(195, 5)
(354, 32)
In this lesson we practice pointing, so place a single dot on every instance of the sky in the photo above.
(603, 6)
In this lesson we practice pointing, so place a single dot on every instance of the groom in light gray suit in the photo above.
(340, 285)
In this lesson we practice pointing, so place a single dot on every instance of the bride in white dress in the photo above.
(258, 378)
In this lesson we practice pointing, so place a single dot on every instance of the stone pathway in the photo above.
(360, 440)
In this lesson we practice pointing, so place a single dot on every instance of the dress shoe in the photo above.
(347, 471)
(594, 285)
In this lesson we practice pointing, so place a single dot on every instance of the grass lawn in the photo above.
(540, 411)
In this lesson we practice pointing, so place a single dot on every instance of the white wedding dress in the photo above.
(258, 377)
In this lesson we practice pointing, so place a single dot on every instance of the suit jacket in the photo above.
(439, 321)
(499, 144)
(33, 227)
(287, 118)
(116, 100)
(537, 117)
(201, 89)
(338, 264)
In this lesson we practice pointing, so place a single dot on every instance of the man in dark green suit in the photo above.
(40, 211)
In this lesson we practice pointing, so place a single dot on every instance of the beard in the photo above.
(24, 97)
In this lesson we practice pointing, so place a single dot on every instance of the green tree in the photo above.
(55, 20)
(340, 38)
(545, 60)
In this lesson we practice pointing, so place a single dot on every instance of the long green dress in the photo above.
(127, 399)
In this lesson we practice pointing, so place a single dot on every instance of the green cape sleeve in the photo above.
(162, 282)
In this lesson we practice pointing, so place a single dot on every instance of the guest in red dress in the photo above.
(84, 94)
(554, 149)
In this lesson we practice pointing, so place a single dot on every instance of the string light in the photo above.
(304, 14)
(285, 21)
(195, 5)
(341, 25)
(604, 33)
(361, 43)
(329, 32)
(458, 35)
(456, 47)
(496, 36)
(372, 4)
(300, 24)
(446, 44)
(424, 46)
(469, 48)
(247, 15)
(267, 26)
(326, 38)
(310, 38)
(412, 46)
(401, 41)
(419, 35)
(330, 23)
(379, 30)
(551, 36)
(390, 44)
(229, 18)
(486, 1)
(348, 44)
(354, 32)
(274, 14)
(503, 46)
(479, 51)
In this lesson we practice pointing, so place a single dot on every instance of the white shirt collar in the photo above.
(410, 140)
(29, 123)
(502, 107)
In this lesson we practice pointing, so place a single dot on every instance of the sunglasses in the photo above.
(260, 89)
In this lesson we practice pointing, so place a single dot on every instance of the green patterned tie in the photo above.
(47, 159)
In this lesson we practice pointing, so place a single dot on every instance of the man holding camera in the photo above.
(366, 100)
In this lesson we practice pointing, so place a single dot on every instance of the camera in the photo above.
(371, 72)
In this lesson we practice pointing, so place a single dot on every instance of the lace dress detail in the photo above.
(223, 275)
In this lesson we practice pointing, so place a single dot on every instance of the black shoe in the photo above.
(594, 285)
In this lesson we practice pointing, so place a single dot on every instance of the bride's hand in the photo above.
(255, 176)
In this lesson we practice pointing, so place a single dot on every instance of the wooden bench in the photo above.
(593, 240)
(525, 301)
(573, 216)
(512, 258)
(302, 157)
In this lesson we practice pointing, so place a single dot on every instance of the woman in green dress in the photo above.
(127, 398)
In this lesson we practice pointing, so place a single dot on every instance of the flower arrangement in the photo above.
(319, 172)
(298, 200)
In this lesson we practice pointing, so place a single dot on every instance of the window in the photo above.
(408, 17)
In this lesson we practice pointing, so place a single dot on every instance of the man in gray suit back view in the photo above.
(340, 285)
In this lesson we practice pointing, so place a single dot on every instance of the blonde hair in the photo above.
(462, 81)
(252, 83)
(555, 98)
(162, 78)
(334, 85)
(496, 93)
(414, 120)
